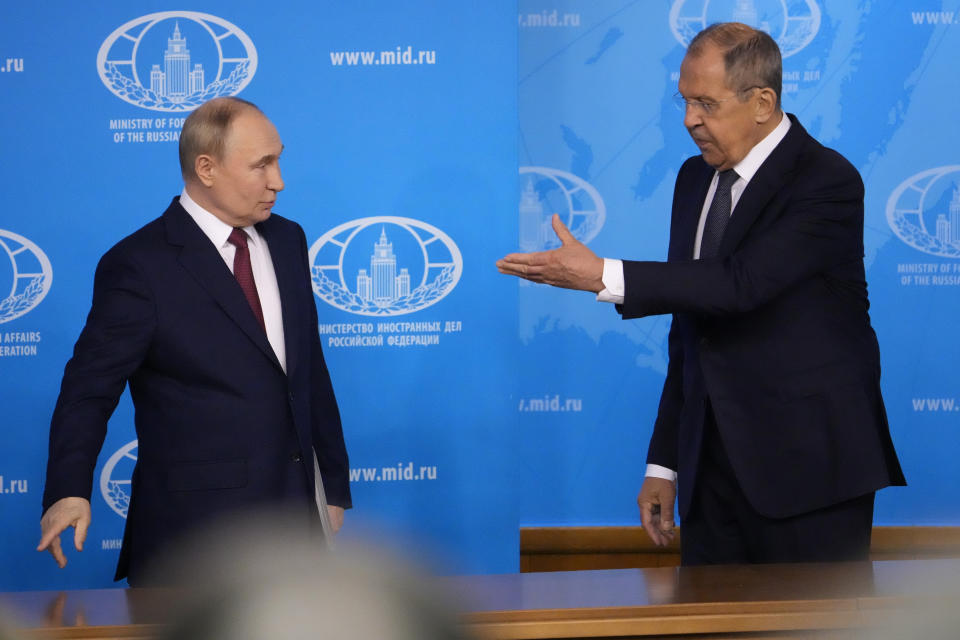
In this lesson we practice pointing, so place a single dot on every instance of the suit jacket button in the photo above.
(295, 457)
(704, 342)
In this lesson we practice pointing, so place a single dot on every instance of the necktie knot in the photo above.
(726, 179)
(238, 238)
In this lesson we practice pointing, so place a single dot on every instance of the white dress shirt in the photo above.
(613, 282)
(264, 276)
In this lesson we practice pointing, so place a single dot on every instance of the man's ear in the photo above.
(205, 167)
(766, 104)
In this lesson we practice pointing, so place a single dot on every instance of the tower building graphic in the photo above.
(946, 229)
(745, 11)
(954, 228)
(531, 218)
(176, 81)
(382, 285)
(943, 229)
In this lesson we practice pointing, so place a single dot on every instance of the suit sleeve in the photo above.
(328, 442)
(664, 440)
(111, 346)
(819, 228)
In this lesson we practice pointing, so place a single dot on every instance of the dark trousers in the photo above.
(723, 528)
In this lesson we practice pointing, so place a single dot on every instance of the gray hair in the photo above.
(205, 131)
(751, 57)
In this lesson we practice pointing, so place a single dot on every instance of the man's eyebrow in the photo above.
(270, 156)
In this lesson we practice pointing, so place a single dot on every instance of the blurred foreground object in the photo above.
(260, 578)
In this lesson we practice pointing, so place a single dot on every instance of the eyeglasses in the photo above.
(706, 107)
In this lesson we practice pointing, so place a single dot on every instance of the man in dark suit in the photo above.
(771, 424)
(208, 313)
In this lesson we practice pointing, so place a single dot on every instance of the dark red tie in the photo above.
(244, 273)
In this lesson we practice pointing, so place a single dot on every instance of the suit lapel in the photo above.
(201, 260)
(773, 174)
(283, 254)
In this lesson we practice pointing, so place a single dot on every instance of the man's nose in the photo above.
(275, 180)
(691, 117)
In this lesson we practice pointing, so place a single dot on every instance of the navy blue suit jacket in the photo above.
(220, 425)
(775, 332)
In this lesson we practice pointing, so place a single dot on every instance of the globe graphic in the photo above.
(544, 192)
(793, 25)
(924, 211)
(25, 275)
(149, 61)
(8, 272)
(115, 478)
(384, 266)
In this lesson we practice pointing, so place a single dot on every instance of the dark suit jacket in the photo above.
(220, 426)
(775, 332)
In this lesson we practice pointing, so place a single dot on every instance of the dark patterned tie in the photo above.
(244, 273)
(718, 215)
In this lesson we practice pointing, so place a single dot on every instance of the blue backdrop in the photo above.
(398, 121)
(440, 136)
(873, 80)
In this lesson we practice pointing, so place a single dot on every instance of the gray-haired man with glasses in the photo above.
(771, 428)
(706, 107)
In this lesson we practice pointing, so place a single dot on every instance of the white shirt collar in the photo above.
(747, 167)
(213, 227)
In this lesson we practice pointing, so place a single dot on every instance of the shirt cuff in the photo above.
(656, 471)
(612, 282)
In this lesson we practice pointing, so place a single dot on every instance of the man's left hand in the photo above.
(336, 517)
(571, 266)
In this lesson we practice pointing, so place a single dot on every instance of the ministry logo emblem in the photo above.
(115, 478)
(544, 192)
(27, 272)
(176, 60)
(384, 266)
(924, 211)
(792, 23)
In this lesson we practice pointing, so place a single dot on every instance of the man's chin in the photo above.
(714, 160)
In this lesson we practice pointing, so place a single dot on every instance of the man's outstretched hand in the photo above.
(571, 266)
(65, 512)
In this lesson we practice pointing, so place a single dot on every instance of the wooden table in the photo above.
(885, 599)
